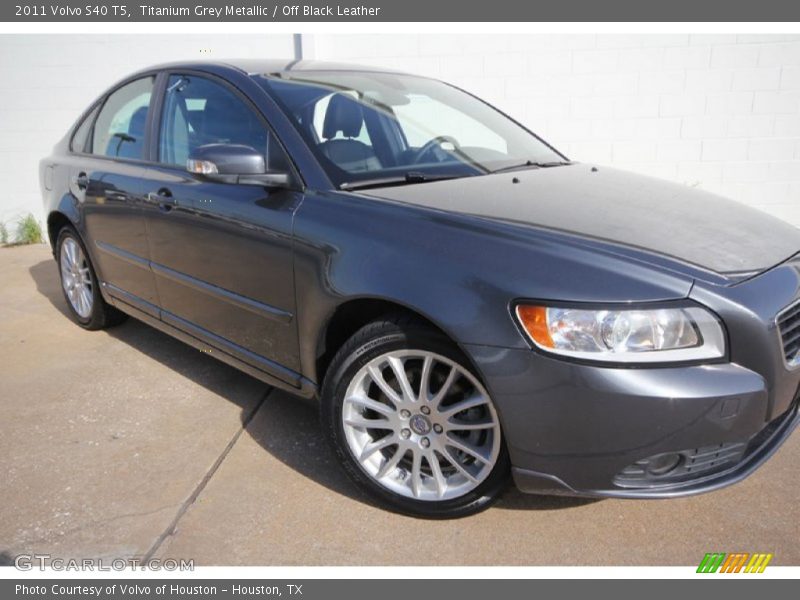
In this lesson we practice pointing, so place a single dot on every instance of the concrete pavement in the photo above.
(127, 443)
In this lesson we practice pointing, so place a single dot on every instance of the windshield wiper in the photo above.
(532, 164)
(404, 179)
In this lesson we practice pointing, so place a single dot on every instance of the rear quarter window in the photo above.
(119, 130)
(80, 138)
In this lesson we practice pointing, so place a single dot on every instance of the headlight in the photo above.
(624, 335)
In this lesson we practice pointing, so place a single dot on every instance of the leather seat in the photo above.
(345, 116)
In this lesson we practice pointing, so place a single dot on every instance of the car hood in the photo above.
(679, 222)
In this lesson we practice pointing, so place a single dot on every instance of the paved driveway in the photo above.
(126, 443)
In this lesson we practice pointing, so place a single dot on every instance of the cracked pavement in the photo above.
(126, 443)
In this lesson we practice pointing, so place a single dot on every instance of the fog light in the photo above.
(663, 464)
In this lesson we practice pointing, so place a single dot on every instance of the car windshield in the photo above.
(371, 129)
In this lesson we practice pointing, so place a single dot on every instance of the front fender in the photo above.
(460, 272)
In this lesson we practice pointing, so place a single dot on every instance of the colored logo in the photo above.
(738, 562)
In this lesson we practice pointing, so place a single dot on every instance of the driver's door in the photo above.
(222, 253)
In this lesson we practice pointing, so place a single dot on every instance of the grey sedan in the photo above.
(465, 303)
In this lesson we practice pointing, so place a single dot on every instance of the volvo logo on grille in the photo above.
(420, 424)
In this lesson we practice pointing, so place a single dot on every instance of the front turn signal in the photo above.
(534, 320)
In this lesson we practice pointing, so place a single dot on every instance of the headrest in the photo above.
(137, 123)
(343, 114)
(222, 120)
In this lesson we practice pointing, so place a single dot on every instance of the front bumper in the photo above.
(731, 469)
(653, 432)
(584, 430)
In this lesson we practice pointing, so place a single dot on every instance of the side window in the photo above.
(81, 135)
(198, 111)
(120, 126)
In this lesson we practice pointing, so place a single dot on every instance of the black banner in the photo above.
(394, 11)
(731, 588)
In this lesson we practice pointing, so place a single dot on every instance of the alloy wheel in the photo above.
(76, 278)
(421, 425)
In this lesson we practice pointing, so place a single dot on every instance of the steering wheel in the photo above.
(435, 144)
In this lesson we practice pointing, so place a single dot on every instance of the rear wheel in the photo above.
(79, 284)
(412, 424)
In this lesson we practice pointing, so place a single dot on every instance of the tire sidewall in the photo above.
(344, 367)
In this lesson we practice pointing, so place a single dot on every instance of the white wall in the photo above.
(721, 112)
(47, 80)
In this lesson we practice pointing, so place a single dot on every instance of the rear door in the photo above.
(222, 253)
(108, 179)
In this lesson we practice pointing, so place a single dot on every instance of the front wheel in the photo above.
(411, 423)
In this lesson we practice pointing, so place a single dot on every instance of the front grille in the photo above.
(789, 327)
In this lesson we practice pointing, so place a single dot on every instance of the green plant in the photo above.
(29, 231)
(3, 233)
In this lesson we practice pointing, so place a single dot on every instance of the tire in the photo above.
(79, 284)
(398, 444)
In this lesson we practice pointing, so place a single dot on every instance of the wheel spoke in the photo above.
(464, 447)
(390, 463)
(416, 474)
(470, 426)
(375, 445)
(378, 407)
(66, 249)
(425, 379)
(387, 390)
(448, 383)
(364, 423)
(71, 248)
(399, 370)
(466, 404)
(459, 467)
(438, 476)
(86, 296)
(79, 299)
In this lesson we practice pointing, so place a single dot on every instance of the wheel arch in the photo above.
(351, 315)
(56, 221)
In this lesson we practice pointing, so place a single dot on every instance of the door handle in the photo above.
(81, 181)
(163, 198)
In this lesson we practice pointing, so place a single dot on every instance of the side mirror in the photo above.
(234, 163)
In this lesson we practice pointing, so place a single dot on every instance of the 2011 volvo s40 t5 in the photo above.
(465, 303)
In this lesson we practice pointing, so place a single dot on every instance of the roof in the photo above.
(255, 66)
